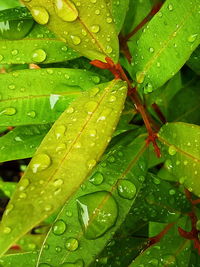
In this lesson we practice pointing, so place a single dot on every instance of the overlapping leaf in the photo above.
(166, 43)
(65, 157)
(119, 9)
(181, 141)
(28, 99)
(194, 61)
(98, 208)
(86, 26)
(19, 259)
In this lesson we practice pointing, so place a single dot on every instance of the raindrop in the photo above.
(48, 208)
(14, 52)
(172, 150)
(59, 131)
(75, 39)
(24, 183)
(11, 86)
(95, 28)
(7, 230)
(126, 189)
(8, 111)
(97, 213)
(172, 192)
(109, 20)
(40, 15)
(58, 249)
(109, 49)
(91, 163)
(58, 182)
(70, 110)
(148, 88)
(97, 178)
(59, 227)
(66, 10)
(31, 114)
(151, 49)
(170, 7)
(71, 244)
(112, 98)
(39, 55)
(40, 162)
(192, 38)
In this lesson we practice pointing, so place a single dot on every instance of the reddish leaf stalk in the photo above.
(159, 113)
(119, 73)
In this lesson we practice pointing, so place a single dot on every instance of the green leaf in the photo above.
(93, 36)
(28, 99)
(172, 33)
(119, 9)
(65, 157)
(194, 61)
(181, 141)
(97, 209)
(172, 250)
(19, 259)
(7, 188)
(22, 142)
(9, 4)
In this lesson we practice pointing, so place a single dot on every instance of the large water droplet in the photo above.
(59, 131)
(76, 40)
(24, 183)
(97, 213)
(39, 55)
(172, 150)
(95, 28)
(66, 10)
(192, 38)
(40, 162)
(97, 178)
(40, 15)
(126, 189)
(71, 244)
(8, 111)
(59, 227)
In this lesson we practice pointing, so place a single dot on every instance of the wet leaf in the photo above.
(93, 36)
(194, 61)
(19, 259)
(181, 142)
(7, 188)
(28, 99)
(172, 250)
(172, 33)
(119, 9)
(66, 156)
(25, 140)
(98, 208)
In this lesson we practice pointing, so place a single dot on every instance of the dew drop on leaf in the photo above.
(39, 55)
(97, 213)
(97, 178)
(31, 114)
(192, 38)
(40, 15)
(24, 183)
(59, 131)
(66, 10)
(126, 189)
(95, 28)
(9, 111)
(40, 162)
(59, 227)
(75, 39)
(172, 150)
(71, 244)
(7, 230)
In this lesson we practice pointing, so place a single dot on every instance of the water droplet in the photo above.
(31, 114)
(153, 262)
(24, 183)
(58, 182)
(78, 263)
(66, 10)
(97, 213)
(170, 7)
(58, 249)
(71, 244)
(140, 75)
(11, 86)
(59, 131)
(126, 189)
(172, 150)
(39, 55)
(192, 38)
(95, 28)
(7, 230)
(151, 49)
(40, 15)
(112, 98)
(91, 106)
(92, 133)
(169, 260)
(109, 20)
(48, 208)
(8, 111)
(168, 164)
(61, 147)
(22, 195)
(148, 88)
(14, 52)
(95, 79)
(59, 227)
(172, 192)
(70, 110)
(69, 213)
(97, 178)
(40, 162)
(109, 49)
(76, 40)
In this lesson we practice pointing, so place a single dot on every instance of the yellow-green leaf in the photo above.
(87, 26)
(64, 159)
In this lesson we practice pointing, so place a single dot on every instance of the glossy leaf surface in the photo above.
(119, 9)
(26, 99)
(194, 61)
(99, 207)
(19, 259)
(181, 141)
(172, 33)
(93, 36)
(66, 156)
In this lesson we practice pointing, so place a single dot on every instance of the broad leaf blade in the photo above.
(194, 61)
(119, 9)
(93, 36)
(172, 33)
(181, 141)
(116, 178)
(62, 162)
(22, 142)
(19, 260)
(28, 99)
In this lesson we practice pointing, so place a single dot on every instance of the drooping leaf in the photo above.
(28, 99)
(181, 141)
(22, 142)
(194, 61)
(97, 209)
(65, 157)
(172, 33)
(172, 250)
(93, 36)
